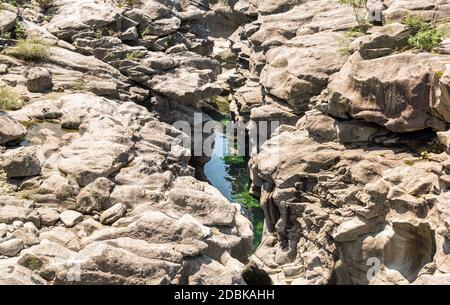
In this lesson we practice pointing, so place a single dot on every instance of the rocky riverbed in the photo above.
(97, 186)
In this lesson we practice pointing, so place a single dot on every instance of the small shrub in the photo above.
(237, 161)
(98, 33)
(129, 3)
(133, 55)
(5, 35)
(8, 100)
(416, 23)
(78, 85)
(14, 2)
(221, 104)
(425, 155)
(409, 162)
(346, 39)
(425, 35)
(30, 50)
(426, 40)
(145, 32)
(19, 30)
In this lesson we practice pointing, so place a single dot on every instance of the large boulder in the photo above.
(20, 162)
(396, 91)
(39, 80)
(10, 129)
(8, 16)
(71, 17)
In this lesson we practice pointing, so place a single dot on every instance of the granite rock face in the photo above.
(95, 187)
(356, 178)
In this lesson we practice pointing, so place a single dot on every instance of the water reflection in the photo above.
(230, 176)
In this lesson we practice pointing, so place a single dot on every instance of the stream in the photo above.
(229, 175)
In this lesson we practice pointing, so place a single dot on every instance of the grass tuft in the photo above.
(29, 50)
(8, 100)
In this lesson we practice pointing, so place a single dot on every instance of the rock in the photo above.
(11, 247)
(95, 196)
(8, 15)
(95, 162)
(163, 26)
(70, 218)
(126, 263)
(119, 156)
(28, 238)
(131, 34)
(392, 96)
(3, 229)
(13, 209)
(203, 202)
(49, 217)
(39, 80)
(20, 276)
(17, 224)
(10, 129)
(382, 41)
(113, 214)
(3, 68)
(444, 138)
(100, 88)
(363, 196)
(62, 236)
(351, 230)
(30, 228)
(20, 162)
(45, 258)
(70, 18)
(290, 73)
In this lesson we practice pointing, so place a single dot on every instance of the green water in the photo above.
(229, 175)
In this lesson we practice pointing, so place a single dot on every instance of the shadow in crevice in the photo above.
(410, 249)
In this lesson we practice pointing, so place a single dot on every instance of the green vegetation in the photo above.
(221, 104)
(78, 85)
(145, 32)
(238, 161)
(5, 35)
(223, 120)
(409, 162)
(258, 227)
(427, 40)
(98, 33)
(34, 263)
(8, 100)
(247, 200)
(432, 147)
(14, 2)
(416, 23)
(346, 39)
(129, 3)
(19, 30)
(133, 56)
(425, 35)
(30, 50)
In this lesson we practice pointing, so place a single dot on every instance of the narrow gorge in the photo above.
(342, 175)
